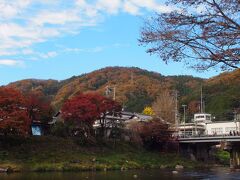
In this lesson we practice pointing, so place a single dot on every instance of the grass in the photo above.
(66, 154)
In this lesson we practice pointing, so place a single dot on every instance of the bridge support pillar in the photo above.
(199, 148)
(202, 151)
(198, 151)
(235, 157)
(188, 151)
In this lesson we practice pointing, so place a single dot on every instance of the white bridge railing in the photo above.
(187, 136)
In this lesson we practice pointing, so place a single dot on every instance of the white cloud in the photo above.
(110, 7)
(50, 54)
(150, 5)
(7, 52)
(37, 55)
(131, 8)
(89, 10)
(81, 3)
(56, 18)
(96, 49)
(24, 23)
(10, 9)
(86, 50)
(27, 51)
(11, 62)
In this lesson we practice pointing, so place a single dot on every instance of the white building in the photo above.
(203, 125)
(222, 128)
(202, 118)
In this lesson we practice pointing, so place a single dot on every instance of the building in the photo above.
(110, 120)
(125, 118)
(222, 128)
(203, 125)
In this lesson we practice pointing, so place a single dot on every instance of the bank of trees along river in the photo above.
(72, 143)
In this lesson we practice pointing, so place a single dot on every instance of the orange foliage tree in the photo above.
(14, 117)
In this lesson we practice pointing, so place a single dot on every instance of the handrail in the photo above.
(206, 136)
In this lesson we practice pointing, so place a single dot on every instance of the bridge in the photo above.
(215, 138)
(199, 147)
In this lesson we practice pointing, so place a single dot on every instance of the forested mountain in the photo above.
(137, 88)
(221, 95)
(48, 87)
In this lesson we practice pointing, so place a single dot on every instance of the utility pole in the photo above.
(176, 110)
(107, 91)
(114, 93)
(235, 119)
(112, 90)
(201, 107)
(184, 117)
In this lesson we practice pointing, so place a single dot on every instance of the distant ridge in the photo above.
(137, 88)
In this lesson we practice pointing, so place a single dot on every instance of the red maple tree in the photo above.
(39, 108)
(14, 117)
(108, 107)
(85, 109)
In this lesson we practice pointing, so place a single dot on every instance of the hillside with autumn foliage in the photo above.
(221, 96)
(47, 87)
(137, 88)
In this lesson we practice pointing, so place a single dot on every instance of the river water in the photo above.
(213, 174)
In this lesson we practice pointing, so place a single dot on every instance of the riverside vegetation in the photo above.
(42, 154)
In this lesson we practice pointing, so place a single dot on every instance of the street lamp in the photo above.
(235, 120)
(184, 116)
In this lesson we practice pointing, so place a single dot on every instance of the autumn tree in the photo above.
(39, 108)
(207, 31)
(84, 109)
(148, 111)
(14, 117)
(107, 107)
(164, 106)
(154, 134)
(194, 106)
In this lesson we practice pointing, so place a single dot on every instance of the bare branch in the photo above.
(212, 37)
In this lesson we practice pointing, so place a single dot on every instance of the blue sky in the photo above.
(56, 39)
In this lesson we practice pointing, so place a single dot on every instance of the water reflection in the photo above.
(215, 174)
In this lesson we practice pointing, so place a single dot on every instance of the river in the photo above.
(213, 174)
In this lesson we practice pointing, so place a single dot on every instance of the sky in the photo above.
(57, 39)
